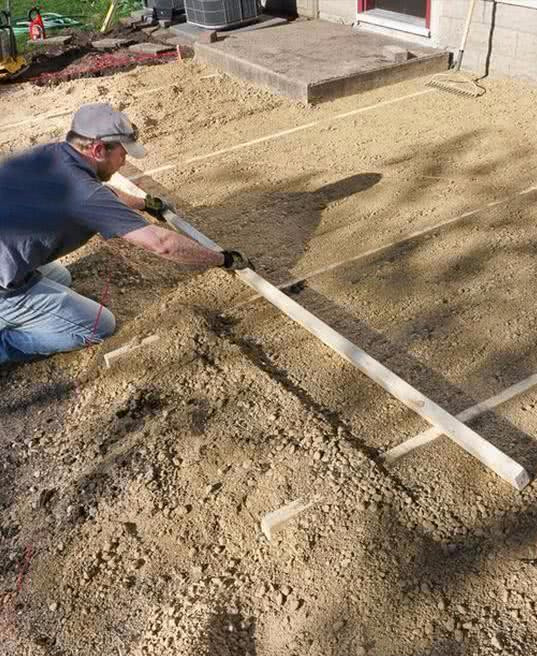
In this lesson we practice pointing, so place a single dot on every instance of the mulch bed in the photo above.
(79, 59)
(72, 65)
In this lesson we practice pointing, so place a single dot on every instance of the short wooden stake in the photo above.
(112, 356)
(275, 521)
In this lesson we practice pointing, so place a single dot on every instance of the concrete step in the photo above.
(322, 60)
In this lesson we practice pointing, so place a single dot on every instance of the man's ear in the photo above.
(98, 151)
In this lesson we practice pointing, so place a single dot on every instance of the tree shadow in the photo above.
(285, 223)
(422, 573)
(39, 397)
(229, 634)
(19, 407)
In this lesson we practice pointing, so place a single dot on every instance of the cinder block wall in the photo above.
(512, 31)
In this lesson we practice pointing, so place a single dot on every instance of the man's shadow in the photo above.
(273, 227)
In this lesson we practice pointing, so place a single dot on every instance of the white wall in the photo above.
(338, 11)
(513, 51)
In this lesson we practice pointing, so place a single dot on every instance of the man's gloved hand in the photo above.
(235, 261)
(157, 206)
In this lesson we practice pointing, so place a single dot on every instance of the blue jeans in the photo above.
(49, 318)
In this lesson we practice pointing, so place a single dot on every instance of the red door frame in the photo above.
(365, 5)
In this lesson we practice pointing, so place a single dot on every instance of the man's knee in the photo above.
(66, 278)
(72, 322)
(105, 325)
(57, 272)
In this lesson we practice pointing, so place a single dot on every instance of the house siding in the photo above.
(509, 31)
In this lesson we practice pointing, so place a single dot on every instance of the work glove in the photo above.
(157, 206)
(235, 261)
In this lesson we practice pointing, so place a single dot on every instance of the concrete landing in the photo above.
(191, 33)
(313, 61)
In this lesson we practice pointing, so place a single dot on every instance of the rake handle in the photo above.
(469, 15)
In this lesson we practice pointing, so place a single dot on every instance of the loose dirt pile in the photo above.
(131, 497)
(158, 498)
(141, 489)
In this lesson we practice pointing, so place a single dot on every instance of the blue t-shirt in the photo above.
(51, 203)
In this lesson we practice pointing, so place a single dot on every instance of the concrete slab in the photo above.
(150, 48)
(111, 44)
(188, 33)
(179, 41)
(208, 36)
(52, 41)
(263, 21)
(163, 35)
(313, 61)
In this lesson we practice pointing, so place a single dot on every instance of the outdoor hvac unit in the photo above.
(165, 9)
(220, 14)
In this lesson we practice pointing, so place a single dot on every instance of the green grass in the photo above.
(91, 12)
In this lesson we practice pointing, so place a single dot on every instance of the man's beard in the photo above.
(103, 173)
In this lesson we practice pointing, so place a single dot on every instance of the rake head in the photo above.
(457, 84)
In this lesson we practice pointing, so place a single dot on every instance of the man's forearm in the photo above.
(174, 246)
(185, 251)
(134, 202)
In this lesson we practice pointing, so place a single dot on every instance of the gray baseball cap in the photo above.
(102, 122)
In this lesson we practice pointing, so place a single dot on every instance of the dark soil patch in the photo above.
(55, 64)
(79, 63)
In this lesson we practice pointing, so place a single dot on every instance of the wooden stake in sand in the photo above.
(465, 437)
(274, 521)
(112, 356)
